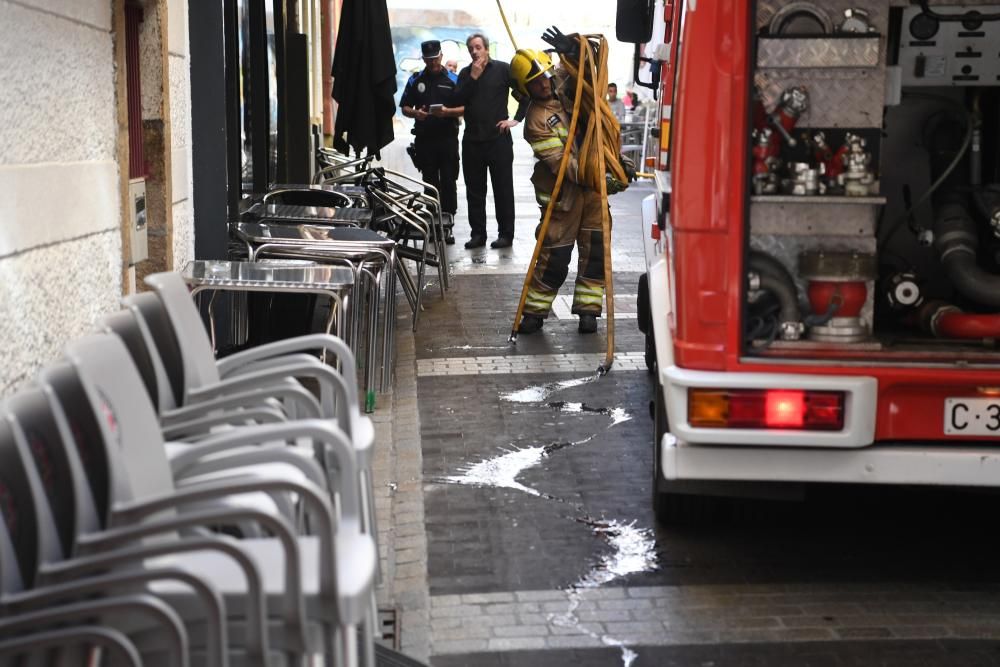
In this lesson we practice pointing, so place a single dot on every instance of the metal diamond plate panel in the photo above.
(852, 97)
(837, 98)
(878, 10)
(787, 52)
(805, 216)
(964, 3)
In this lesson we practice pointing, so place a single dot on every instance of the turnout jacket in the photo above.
(546, 129)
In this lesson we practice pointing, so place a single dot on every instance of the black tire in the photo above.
(645, 322)
(650, 353)
(660, 498)
(677, 509)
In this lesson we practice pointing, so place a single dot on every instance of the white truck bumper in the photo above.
(959, 465)
(850, 456)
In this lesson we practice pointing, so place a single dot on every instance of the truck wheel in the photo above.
(661, 499)
(645, 321)
(671, 508)
(650, 354)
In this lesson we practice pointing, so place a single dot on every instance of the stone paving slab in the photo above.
(626, 307)
(625, 207)
(399, 505)
(663, 615)
(935, 653)
(476, 316)
(489, 539)
(524, 365)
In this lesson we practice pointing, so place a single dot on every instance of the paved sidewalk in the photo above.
(398, 469)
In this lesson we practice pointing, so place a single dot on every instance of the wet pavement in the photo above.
(538, 543)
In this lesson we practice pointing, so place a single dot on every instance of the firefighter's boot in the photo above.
(588, 323)
(531, 324)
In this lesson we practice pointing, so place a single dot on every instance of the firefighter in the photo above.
(427, 98)
(576, 215)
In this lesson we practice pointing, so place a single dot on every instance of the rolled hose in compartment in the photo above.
(776, 279)
(956, 240)
(786, 297)
(762, 263)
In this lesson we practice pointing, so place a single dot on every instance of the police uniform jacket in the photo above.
(424, 89)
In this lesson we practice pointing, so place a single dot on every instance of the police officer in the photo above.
(427, 98)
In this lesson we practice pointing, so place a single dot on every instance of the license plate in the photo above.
(972, 416)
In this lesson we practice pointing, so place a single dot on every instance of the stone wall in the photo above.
(61, 261)
(60, 238)
(179, 73)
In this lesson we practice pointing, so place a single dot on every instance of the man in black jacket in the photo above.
(484, 90)
(427, 98)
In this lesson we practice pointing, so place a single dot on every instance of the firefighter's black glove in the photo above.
(562, 43)
(614, 186)
(629, 168)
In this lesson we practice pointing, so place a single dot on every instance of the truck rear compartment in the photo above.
(874, 207)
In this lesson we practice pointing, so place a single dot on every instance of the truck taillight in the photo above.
(666, 113)
(766, 408)
(664, 141)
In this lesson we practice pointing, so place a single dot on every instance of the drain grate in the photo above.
(388, 628)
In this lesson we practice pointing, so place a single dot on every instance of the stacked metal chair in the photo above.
(411, 212)
(247, 540)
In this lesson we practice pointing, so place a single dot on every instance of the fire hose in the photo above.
(598, 155)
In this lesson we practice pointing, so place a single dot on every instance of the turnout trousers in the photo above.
(580, 225)
(439, 167)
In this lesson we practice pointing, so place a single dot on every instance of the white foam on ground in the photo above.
(539, 393)
(501, 471)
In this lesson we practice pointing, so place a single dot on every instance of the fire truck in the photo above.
(821, 300)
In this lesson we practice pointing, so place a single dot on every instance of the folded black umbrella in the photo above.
(364, 78)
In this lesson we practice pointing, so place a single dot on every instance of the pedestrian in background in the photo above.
(452, 66)
(484, 91)
(617, 106)
(428, 98)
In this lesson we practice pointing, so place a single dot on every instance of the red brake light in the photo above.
(766, 409)
(785, 409)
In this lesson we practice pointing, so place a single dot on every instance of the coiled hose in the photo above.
(597, 156)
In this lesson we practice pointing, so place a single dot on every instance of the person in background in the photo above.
(451, 66)
(484, 91)
(427, 99)
(617, 106)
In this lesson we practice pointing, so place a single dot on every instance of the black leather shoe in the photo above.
(502, 242)
(588, 324)
(475, 242)
(530, 324)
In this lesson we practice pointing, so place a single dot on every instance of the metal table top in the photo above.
(331, 214)
(276, 276)
(325, 187)
(264, 232)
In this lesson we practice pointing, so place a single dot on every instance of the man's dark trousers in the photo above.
(497, 156)
(438, 157)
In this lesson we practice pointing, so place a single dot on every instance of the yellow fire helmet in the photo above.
(527, 65)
